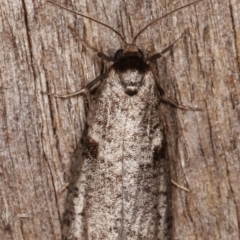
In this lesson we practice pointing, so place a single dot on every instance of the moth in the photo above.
(120, 183)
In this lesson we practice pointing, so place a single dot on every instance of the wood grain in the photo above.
(39, 135)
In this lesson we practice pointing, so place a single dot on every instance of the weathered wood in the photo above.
(39, 134)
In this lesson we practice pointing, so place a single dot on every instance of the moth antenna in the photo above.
(92, 19)
(152, 22)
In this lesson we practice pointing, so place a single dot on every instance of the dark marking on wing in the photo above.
(158, 153)
(91, 148)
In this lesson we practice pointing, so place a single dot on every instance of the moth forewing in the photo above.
(122, 165)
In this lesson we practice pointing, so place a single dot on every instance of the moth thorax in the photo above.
(131, 81)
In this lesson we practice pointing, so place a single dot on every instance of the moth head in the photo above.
(131, 67)
(128, 50)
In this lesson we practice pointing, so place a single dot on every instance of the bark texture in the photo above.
(39, 135)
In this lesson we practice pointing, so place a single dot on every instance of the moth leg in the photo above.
(172, 103)
(99, 54)
(65, 95)
(164, 98)
(154, 57)
(87, 87)
(105, 57)
(179, 186)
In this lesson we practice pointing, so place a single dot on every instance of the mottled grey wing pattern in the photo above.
(121, 191)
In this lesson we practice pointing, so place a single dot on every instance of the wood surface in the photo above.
(39, 134)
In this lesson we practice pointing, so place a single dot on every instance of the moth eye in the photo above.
(118, 54)
(140, 53)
